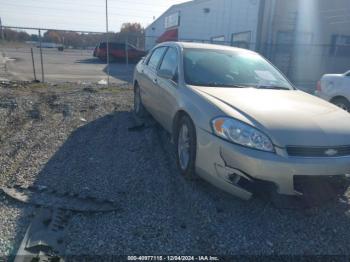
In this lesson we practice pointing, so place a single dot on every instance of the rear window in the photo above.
(170, 61)
(155, 57)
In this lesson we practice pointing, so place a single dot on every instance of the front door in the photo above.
(168, 88)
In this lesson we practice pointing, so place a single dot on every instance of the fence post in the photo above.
(107, 36)
(126, 54)
(31, 51)
(2, 31)
(41, 58)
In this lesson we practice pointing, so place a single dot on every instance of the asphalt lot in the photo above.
(82, 140)
(67, 66)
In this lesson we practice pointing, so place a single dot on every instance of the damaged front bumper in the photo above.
(242, 171)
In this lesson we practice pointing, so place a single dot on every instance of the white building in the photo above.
(207, 20)
(304, 38)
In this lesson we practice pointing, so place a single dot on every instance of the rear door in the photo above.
(168, 88)
(149, 89)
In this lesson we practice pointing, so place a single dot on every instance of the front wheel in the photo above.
(186, 147)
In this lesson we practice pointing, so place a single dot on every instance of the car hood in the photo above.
(289, 117)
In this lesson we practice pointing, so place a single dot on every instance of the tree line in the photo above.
(132, 32)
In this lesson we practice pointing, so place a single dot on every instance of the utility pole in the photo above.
(107, 42)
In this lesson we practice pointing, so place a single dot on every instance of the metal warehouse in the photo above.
(303, 38)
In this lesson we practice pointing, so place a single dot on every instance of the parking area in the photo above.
(80, 140)
(70, 65)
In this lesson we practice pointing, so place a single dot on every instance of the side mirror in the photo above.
(167, 74)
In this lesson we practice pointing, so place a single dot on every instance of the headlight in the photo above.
(237, 132)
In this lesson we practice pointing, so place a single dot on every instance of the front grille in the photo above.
(318, 151)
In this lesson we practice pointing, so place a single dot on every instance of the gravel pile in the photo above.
(14, 220)
(36, 120)
(80, 140)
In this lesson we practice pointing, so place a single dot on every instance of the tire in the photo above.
(343, 103)
(186, 164)
(139, 109)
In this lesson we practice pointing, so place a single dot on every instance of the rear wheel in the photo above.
(139, 109)
(186, 147)
(343, 103)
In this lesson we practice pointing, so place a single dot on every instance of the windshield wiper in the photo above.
(273, 87)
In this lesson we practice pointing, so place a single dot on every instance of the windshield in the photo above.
(223, 68)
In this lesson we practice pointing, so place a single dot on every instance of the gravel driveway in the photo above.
(78, 138)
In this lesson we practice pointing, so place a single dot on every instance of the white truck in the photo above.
(335, 88)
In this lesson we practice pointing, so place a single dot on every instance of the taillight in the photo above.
(319, 87)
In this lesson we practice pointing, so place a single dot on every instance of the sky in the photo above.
(84, 15)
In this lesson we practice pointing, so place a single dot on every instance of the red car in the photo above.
(117, 51)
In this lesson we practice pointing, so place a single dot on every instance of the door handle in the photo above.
(155, 80)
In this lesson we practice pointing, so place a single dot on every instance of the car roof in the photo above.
(189, 45)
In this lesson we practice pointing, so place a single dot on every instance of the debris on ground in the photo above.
(102, 82)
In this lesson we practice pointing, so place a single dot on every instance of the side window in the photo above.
(116, 46)
(156, 57)
(169, 62)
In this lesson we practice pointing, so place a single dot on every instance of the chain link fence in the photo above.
(61, 56)
(46, 55)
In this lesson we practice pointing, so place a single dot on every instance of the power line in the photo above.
(120, 1)
(50, 29)
(119, 8)
(61, 15)
(71, 10)
(141, 2)
(69, 25)
(150, 6)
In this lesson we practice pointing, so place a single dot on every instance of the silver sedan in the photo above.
(239, 123)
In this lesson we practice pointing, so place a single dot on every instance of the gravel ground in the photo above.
(14, 220)
(78, 139)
